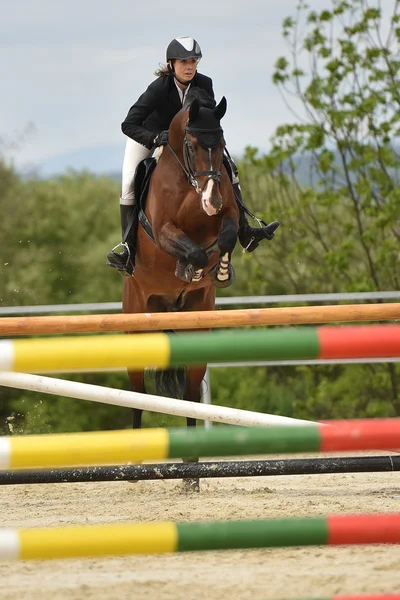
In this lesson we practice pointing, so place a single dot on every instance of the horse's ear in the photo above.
(220, 109)
(194, 110)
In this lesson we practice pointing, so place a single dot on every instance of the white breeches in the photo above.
(134, 153)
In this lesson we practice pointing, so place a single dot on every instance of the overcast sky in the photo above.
(73, 68)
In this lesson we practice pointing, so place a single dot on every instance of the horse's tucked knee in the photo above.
(198, 258)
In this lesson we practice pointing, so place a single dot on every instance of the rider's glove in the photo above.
(161, 139)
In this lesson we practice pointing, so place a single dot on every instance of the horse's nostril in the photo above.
(217, 204)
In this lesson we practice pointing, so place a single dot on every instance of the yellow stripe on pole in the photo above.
(93, 448)
(68, 542)
(60, 354)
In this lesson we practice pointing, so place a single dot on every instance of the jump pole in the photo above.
(198, 319)
(162, 350)
(205, 470)
(130, 446)
(365, 597)
(159, 404)
(169, 537)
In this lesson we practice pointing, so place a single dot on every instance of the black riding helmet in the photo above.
(183, 48)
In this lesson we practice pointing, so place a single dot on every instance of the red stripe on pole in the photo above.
(373, 597)
(361, 434)
(359, 341)
(364, 529)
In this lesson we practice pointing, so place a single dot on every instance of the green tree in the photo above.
(331, 178)
(55, 237)
(349, 95)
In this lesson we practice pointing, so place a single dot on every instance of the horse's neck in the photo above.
(171, 172)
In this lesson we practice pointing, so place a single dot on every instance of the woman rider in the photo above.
(146, 127)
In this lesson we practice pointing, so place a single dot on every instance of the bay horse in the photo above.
(193, 220)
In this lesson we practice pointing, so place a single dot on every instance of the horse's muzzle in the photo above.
(211, 208)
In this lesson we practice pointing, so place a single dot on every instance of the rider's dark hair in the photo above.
(162, 71)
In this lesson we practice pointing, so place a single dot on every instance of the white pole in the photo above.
(169, 406)
(206, 394)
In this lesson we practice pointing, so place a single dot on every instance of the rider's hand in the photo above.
(161, 139)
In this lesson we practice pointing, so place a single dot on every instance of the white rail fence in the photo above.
(226, 301)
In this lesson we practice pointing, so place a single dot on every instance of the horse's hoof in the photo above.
(180, 269)
(187, 273)
(224, 277)
(190, 486)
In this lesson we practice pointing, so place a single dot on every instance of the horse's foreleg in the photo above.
(137, 418)
(137, 385)
(223, 273)
(194, 379)
(197, 299)
(191, 258)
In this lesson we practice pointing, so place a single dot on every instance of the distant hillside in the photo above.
(108, 159)
(98, 159)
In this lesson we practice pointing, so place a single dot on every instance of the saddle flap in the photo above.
(143, 174)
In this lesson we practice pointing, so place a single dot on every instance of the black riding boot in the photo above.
(250, 237)
(124, 261)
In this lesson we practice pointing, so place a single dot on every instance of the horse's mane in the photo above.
(202, 97)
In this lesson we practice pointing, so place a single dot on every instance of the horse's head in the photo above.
(203, 146)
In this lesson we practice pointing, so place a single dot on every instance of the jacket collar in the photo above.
(174, 92)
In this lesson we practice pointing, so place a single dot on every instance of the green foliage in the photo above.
(311, 393)
(57, 229)
(340, 218)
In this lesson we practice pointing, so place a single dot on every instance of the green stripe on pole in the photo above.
(228, 441)
(277, 344)
(222, 535)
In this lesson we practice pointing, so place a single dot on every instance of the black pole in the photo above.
(246, 468)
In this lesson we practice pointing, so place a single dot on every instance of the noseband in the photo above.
(209, 139)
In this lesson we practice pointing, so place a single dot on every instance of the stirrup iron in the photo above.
(126, 268)
(124, 245)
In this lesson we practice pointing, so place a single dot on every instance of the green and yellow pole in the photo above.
(163, 350)
(118, 447)
(167, 537)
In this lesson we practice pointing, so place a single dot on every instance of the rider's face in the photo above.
(185, 70)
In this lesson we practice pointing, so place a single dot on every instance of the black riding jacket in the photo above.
(156, 107)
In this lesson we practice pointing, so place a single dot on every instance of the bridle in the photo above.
(216, 135)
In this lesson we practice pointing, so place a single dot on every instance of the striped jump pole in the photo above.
(10, 326)
(368, 597)
(163, 350)
(167, 537)
(159, 404)
(115, 447)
